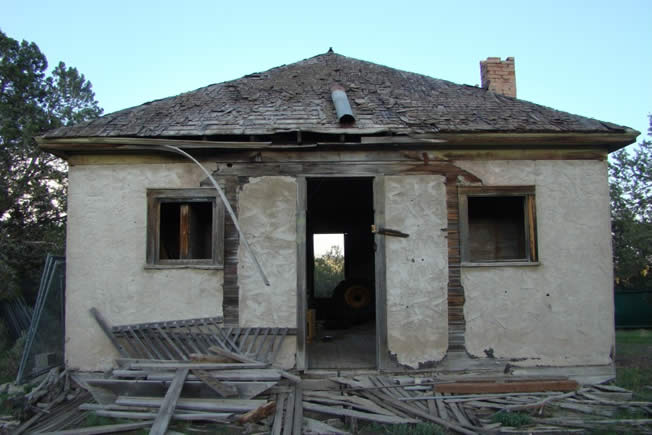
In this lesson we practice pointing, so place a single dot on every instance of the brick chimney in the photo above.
(499, 75)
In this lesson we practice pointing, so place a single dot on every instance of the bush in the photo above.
(10, 360)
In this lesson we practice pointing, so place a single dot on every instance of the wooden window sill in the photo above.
(500, 263)
(183, 266)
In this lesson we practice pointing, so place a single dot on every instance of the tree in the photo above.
(329, 271)
(32, 182)
(630, 175)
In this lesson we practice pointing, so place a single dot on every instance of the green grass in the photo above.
(633, 362)
(512, 419)
(403, 429)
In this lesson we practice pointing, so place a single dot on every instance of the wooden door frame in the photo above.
(382, 356)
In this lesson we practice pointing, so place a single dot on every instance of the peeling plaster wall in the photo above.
(267, 215)
(417, 268)
(106, 244)
(560, 312)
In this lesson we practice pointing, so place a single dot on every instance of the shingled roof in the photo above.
(297, 97)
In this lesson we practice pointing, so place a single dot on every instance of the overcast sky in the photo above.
(592, 58)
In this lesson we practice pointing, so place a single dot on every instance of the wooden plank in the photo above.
(228, 354)
(421, 414)
(172, 344)
(168, 404)
(382, 353)
(441, 407)
(231, 375)
(355, 401)
(297, 418)
(252, 340)
(257, 414)
(532, 227)
(196, 366)
(219, 417)
(289, 413)
(261, 344)
(342, 412)
(292, 378)
(432, 407)
(459, 415)
(508, 387)
(112, 428)
(183, 323)
(210, 405)
(278, 416)
(220, 388)
(302, 304)
(278, 344)
(192, 387)
(107, 331)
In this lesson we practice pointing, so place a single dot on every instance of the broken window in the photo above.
(185, 226)
(498, 224)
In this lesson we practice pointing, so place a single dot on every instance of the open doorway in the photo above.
(340, 277)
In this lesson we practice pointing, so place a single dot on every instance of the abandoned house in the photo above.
(474, 223)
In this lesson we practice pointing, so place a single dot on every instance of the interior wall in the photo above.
(417, 268)
(106, 247)
(559, 312)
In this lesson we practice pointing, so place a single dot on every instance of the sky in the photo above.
(592, 58)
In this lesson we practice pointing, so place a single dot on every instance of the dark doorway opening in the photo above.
(340, 277)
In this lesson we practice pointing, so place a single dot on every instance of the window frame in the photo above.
(155, 197)
(528, 193)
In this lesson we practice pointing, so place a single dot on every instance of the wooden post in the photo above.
(164, 415)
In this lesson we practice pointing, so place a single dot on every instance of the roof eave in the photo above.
(611, 141)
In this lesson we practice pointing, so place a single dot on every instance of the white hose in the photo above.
(243, 240)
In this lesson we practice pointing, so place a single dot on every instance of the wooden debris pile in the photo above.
(51, 404)
(234, 391)
(471, 407)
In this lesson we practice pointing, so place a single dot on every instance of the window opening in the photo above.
(498, 224)
(496, 228)
(185, 227)
(328, 250)
(186, 230)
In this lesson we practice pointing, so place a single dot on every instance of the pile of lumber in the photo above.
(234, 391)
(51, 403)
(470, 406)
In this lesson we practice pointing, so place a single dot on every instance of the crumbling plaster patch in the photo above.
(106, 245)
(417, 268)
(267, 215)
(561, 311)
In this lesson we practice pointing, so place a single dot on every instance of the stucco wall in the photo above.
(267, 216)
(106, 243)
(417, 268)
(561, 311)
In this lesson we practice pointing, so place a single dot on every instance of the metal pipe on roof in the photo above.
(342, 105)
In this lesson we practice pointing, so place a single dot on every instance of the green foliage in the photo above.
(10, 360)
(329, 271)
(33, 183)
(630, 174)
(512, 419)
